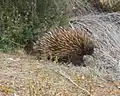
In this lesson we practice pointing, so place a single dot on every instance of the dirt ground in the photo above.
(22, 75)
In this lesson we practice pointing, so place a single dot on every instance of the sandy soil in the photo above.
(22, 75)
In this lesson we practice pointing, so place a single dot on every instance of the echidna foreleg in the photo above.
(78, 60)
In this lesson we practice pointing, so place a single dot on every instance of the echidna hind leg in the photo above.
(63, 59)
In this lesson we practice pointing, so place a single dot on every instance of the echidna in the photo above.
(65, 44)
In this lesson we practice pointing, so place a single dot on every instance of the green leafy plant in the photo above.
(24, 20)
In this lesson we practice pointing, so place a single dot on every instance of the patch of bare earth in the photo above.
(22, 75)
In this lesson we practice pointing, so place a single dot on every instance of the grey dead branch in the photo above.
(104, 30)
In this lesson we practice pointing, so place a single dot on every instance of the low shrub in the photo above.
(24, 20)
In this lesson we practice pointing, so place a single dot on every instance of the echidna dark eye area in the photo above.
(90, 50)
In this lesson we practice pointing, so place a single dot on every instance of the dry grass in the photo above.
(111, 5)
(28, 77)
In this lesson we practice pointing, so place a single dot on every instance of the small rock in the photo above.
(101, 86)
